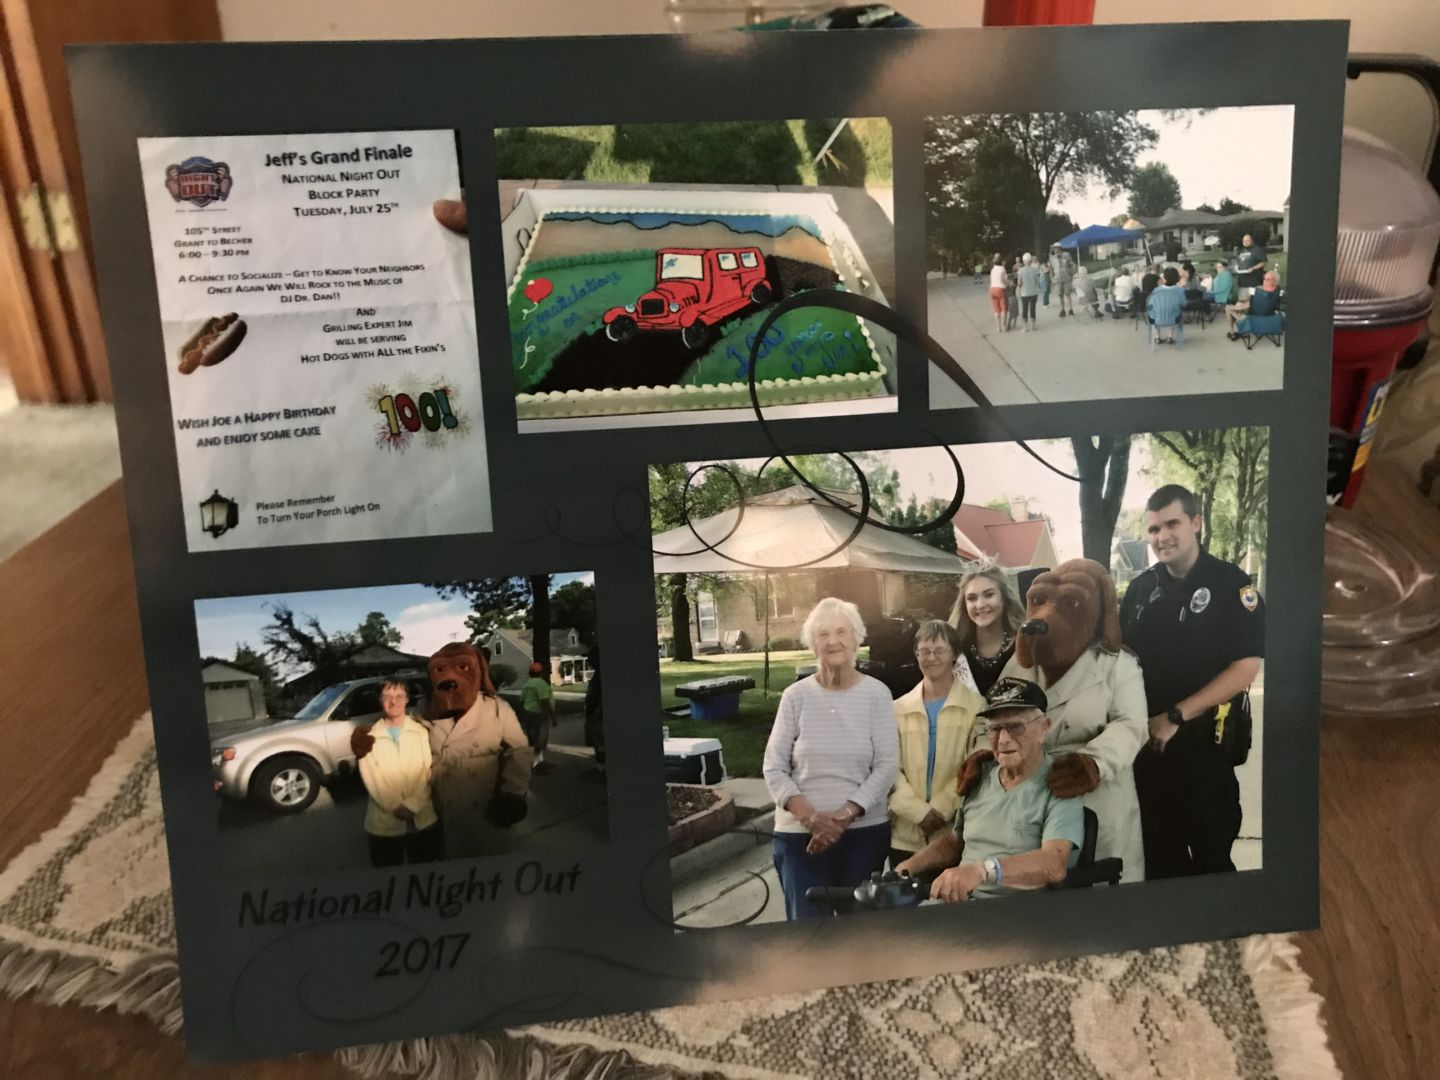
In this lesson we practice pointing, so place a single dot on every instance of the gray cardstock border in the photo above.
(255, 992)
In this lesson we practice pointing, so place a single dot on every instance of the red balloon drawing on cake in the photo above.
(536, 289)
(694, 289)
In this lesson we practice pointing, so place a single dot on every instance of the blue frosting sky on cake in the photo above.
(765, 224)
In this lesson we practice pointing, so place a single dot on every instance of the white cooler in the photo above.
(694, 761)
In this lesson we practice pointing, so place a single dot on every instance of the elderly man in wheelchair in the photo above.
(1010, 832)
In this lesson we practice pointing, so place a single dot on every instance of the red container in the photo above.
(1389, 227)
(1039, 12)
(1363, 362)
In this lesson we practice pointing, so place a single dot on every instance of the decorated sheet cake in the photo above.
(621, 310)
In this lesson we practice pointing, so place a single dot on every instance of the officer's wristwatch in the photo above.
(1175, 716)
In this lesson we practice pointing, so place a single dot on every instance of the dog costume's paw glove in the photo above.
(970, 769)
(506, 809)
(1072, 775)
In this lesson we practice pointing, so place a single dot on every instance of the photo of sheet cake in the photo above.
(624, 310)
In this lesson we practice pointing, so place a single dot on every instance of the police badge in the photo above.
(199, 180)
(1249, 597)
(1199, 600)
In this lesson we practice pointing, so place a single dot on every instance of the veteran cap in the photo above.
(1014, 694)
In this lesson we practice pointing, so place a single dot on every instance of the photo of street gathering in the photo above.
(1079, 256)
(405, 723)
(1055, 684)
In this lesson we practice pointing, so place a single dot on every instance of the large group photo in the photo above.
(1077, 256)
(404, 724)
(869, 692)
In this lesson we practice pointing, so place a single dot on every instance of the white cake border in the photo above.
(808, 389)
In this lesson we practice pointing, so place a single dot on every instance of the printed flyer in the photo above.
(319, 337)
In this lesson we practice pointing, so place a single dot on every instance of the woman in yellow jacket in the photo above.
(400, 821)
(934, 721)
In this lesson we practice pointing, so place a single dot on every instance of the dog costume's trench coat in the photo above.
(1098, 708)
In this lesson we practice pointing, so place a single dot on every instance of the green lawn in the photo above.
(745, 735)
(735, 152)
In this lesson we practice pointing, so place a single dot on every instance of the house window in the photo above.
(726, 260)
(574, 638)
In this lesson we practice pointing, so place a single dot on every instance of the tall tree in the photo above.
(968, 181)
(1250, 452)
(573, 604)
(253, 662)
(1153, 191)
(1230, 206)
(299, 641)
(941, 537)
(1203, 452)
(1103, 464)
(1207, 208)
(539, 618)
(709, 493)
(376, 629)
(1234, 231)
(494, 602)
(1057, 227)
(1024, 160)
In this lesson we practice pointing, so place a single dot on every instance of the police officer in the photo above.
(1197, 625)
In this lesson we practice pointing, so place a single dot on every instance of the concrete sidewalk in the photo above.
(1082, 358)
(732, 877)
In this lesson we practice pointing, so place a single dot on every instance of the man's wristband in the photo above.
(1175, 716)
(994, 875)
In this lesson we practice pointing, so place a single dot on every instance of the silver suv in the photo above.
(282, 765)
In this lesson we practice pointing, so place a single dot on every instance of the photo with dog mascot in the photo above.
(480, 757)
(1070, 646)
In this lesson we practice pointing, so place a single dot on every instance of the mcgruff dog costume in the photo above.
(1070, 645)
(480, 758)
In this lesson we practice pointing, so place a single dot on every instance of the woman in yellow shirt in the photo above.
(400, 822)
(934, 720)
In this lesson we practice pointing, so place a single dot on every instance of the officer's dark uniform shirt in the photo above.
(1185, 631)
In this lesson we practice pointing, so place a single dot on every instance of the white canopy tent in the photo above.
(789, 530)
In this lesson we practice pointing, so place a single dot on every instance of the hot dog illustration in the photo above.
(213, 342)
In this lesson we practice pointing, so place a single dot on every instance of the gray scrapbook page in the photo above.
(627, 522)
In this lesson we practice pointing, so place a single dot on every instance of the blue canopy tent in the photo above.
(1100, 234)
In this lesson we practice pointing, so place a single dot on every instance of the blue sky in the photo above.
(425, 619)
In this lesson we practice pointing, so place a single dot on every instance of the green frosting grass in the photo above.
(583, 288)
(801, 343)
(820, 341)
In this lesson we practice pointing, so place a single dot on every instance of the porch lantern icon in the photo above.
(218, 515)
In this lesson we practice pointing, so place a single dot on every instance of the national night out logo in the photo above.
(199, 180)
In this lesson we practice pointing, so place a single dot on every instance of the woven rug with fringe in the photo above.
(85, 918)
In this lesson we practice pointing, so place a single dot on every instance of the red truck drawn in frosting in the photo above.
(694, 289)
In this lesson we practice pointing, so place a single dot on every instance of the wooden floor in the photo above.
(70, 651)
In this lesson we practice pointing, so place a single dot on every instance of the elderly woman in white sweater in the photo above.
(830, 764)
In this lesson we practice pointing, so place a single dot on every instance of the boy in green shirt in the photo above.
(537, 713)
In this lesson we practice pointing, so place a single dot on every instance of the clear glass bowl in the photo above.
(1381, 628)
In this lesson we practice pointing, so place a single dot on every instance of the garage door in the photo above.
(228, 703)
